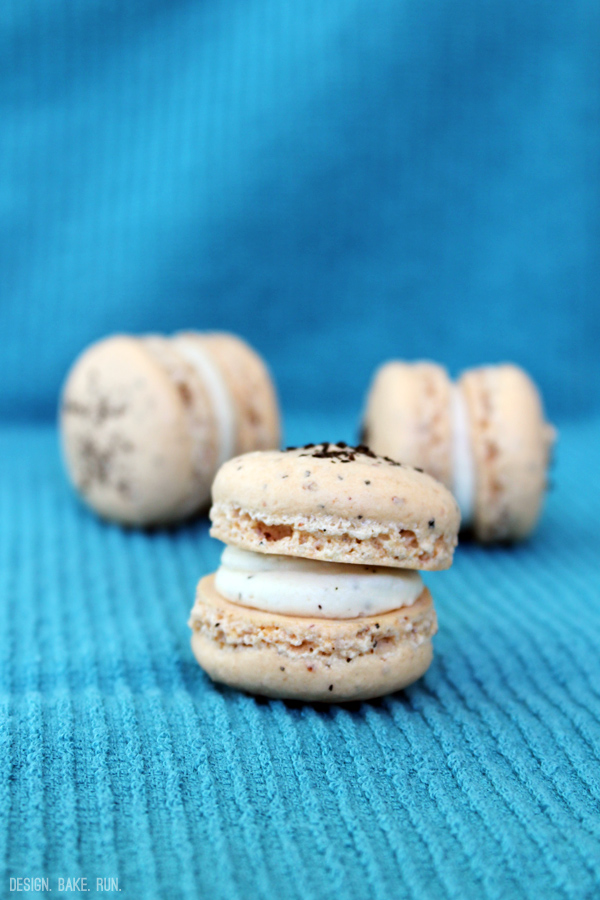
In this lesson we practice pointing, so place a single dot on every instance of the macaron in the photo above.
(318, 596)
(147, 421)
(485, 437)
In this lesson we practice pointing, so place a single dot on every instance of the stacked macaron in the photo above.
(485, 437)
(318, 595)
(146, 422)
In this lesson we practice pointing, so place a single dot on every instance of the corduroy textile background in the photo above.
(121, 759)
(340, 181)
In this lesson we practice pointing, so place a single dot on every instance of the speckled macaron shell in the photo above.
(407, 416)
(511, 446)
(335, 503)
(250, 386)
(316, 660)
(126, 435)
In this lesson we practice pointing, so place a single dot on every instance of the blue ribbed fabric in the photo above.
(119, 758)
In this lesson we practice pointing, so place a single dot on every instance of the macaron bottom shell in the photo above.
(312, 660)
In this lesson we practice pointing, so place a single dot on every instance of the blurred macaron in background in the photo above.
(484, 436)
(147, 421)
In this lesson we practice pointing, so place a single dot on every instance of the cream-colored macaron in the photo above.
(485, 437)
(317, 596)
(147, 421)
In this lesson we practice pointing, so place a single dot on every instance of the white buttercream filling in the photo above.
(220, 398)
(293, 586)
(463, 467)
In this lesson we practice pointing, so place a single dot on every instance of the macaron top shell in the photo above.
(334, 502)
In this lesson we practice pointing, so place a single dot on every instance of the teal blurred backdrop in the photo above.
(339, 182)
